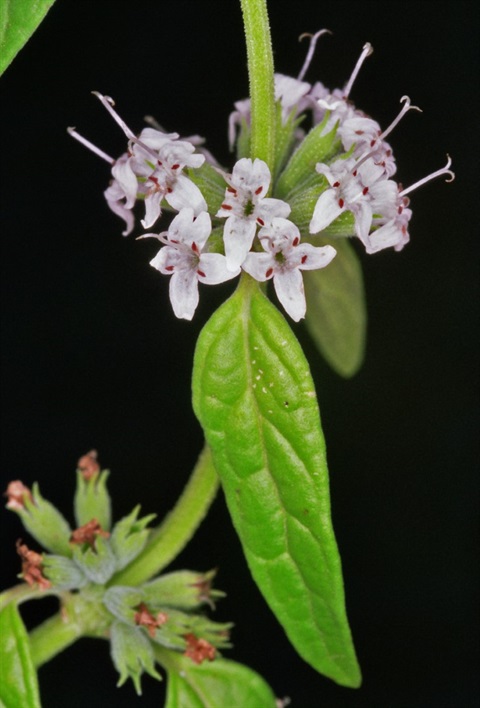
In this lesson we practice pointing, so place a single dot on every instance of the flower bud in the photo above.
(179, 624)
(97, 560)
(132, 654)
(129, 536)
(43, 521)
(63, 573)
(121, 601)
(92, 500)
(184, 589)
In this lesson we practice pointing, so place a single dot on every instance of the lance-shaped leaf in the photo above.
(336, 311)
(215, 684)
(255, 398)
(18, 678)
(18, 21)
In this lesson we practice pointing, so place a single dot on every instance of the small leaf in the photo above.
(18, 678)
(211, 184)
(217, 684)
(18, 21)
(315, 147)
(255, 398)
(336, 310)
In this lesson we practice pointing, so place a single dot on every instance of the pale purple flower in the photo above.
(283, 260)
(245, 206)
(151, 170)
(183, 258)
(355, 186)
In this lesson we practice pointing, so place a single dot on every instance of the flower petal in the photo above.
(326, 210)
(212, 269)
(308, 257)
(238, 236)
(289, 288)
(186, 194)
(258, 265)
(184, 293)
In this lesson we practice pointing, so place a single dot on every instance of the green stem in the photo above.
(51, 637)
(260, 72)
(178, 527)
(22, 593)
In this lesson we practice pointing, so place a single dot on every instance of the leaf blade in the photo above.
(213, 685)
(18, 678)
(336, 309)
(255, 399)
(18, 21)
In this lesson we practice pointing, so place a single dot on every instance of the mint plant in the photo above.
(311, 171)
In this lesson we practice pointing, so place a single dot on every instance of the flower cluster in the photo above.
(80, 565)
(346, 191)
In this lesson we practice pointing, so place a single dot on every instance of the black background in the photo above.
(93, 357)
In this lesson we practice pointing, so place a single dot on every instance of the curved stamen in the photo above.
(367, 50)
(90, 146)
(311, 50)
(444, 171)
(406, 107)
(108, 102)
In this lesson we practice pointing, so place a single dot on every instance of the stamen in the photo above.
(90, 146)
(406, 107)
(444, 171)
(367, 50)
(109, 103)
(311, 49)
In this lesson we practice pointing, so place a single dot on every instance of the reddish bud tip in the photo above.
(198, 650)
(16, 494)
(88, 465)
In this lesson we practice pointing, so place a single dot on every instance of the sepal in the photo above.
(129, 536)
(98, 562)
(92, 500)
(63, 573)
(45, 523)
(121, 601)
(184, 589)
(132, 654)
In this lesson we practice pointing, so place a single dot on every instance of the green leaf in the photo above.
(211, 183)
(18, 21)
(18, 678)
(215, 684)
(336, 309)
(315, 147)
(255, 398)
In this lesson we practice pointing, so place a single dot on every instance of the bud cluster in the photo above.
(166, 611)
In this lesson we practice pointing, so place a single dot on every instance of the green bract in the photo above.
(255, 398)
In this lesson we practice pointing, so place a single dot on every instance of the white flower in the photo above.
(182, 257)
(354, 187)
(151, 169)
(285, 257)
(245, 206)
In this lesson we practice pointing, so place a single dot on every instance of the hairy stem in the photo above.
(260, 72)
(52, 637)
(177, 529)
